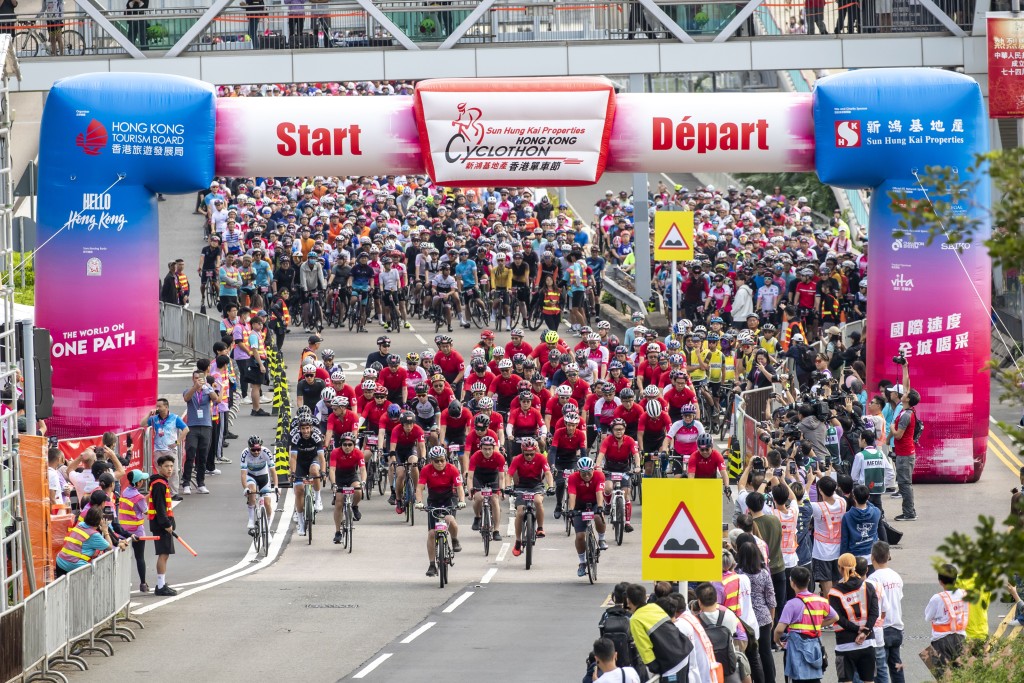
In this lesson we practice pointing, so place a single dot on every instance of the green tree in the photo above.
(819, 195)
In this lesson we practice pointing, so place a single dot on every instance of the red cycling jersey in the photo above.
(339, 425)
(531, 473)
(495, 463)
(451, 364)
(400, 437)
(580, 389)
(554, 408)
(393, 380)
(585, 491)
(677, 398)
(457, 424)
(362, 400)
(374, 412)
(631, 416)
(511, 349)
(525, 423)
(443, 397)
(619, 452)
(473, 439)
(347, 462)
(700, 467)
(505, 386)
(440, 482)
(486, 379)
(654, 426)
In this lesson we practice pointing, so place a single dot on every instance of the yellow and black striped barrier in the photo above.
(283, 409)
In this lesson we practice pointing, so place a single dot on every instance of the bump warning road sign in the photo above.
(673, 235)
(681, 530)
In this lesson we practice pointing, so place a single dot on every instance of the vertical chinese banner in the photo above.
(1005, 66)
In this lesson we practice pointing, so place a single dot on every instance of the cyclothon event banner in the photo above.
(721, 132)
(932, 302)
(545, 131)
(279, 136)
(1005, 66)
(110, 141)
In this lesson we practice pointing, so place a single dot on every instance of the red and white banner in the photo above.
(720, 132)
(545, 131)
(286, 136)
(1005, 66)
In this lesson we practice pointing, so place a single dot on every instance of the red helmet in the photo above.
(487, 334)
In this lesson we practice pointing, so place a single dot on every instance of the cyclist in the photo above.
(679, 394)
(466, 270)
(557, 404)
(684, 433)
(312, 283)
(714, 366)
(652, 433)
(449, 362)
(455, 420)
(629, 411)
(487, 470)
(517, 345)
(414, 372)
(425, 408)
(395, 379)
(408, 444)
(568, 444)
(529, 471)
(361, 279)
(382, 352)
(307, 462)
(258, 471)
(501, 291)
(443, 484)
(445, 291)
(619, 454)
(524, 422)
(441, 391)
(390, 282)
(597, 354)
(505, 386)
(348, 468)
(323, 409)
(708, 463)
(309, 390)
(342, 420)
(481, 427)
(585, 488)
(552, 342)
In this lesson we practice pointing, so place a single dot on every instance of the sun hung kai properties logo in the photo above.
(94, 139)
(512, 147)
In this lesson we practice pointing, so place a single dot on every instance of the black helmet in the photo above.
(383, 340)
(255, 441)
(481, 422)
(407, 418)
(454, 409)
(704, 440)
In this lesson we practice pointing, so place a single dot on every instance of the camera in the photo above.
(901, 359)
(211, 380)
(758, 465)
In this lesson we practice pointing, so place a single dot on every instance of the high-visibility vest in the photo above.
(167, 501)
(855, 604)
(788, 519)
(72, 551)
(705, 642)
(731, 589)
(787, 334)
(730, 367)
(182, 285)
(127, 513)
(815, 610)
(769, 345)
(551, 302)
(693, 358)
(716, 365)
(957, 611)
(832, 522)
(874, 469)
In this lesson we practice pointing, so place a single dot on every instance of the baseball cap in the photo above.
(314, 339)
(897, 389)
(135, 476)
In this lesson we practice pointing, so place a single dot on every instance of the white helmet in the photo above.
(327, 394)
(563, 390)
(504, 363)
(308, 368)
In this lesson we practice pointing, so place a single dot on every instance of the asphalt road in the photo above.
(319, 613)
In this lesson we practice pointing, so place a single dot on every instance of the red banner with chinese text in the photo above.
(1005, 66)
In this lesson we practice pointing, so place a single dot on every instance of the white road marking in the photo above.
(243, 568)
(373, 665)
(458, 601)
(490, 572)
(421, 339)
(418, 632)
(511, 531)
(992, 420)
(503, 552)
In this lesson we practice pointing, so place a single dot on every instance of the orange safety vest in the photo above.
(831, 520)
(167, 500)
(72, 550)
(731, 589)
(709, 650)
(855, 604)
(787, 334)
(182, 284)
(956, 611)
(127, 513)
(551, 303)
(815, 610)
(788, 522)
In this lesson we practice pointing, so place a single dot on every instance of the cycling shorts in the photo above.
(618, 466)
(485, 479)
(402, 453)
(346, 477)
(262, 482)
(523, 293)
(302, 470)
(577, 520)
(577, 300)
(442, 499)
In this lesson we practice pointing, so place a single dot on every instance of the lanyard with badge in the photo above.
(197, 401)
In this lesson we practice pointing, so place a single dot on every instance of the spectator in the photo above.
(662, 648)
(169, 432)
(84, 542)
(608, 670)
(860, 525)
(905, 444)
(799, 629)
(947, 613)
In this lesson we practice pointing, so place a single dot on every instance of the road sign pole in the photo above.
(642, 236)
(674, 288)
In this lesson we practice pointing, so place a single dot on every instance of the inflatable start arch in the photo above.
(111, 141)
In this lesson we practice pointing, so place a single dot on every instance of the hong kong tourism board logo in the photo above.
(94, 139)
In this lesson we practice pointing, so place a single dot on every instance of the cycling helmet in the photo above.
(651, 391)
(384, 340)
(339, 401)
(481, 422)
(370, 373)
(486, 403)
(653, 409)
(303, 410)
(517, 332)
(412, 358)
(347, 436)
(477, 387)
(717, 319)
(689, 409)
(563, 391)
(528, 443)
(477, 353)
(337, 375)
(585, 464)
(604, 325)
(393, 359)
(454, 409)
(704, 440)
(571, 418)
(614, 365)
(386, 261)
(478, 364)
(585, 330)
(255, 441)
(637, 343)
(327, 394)
(550, 337)
(327, 353)
(445, 339)
(407, 418)
(618, 422)
(394, 411)
(487, 334)
(572, 367)
(627, 394)
(674, 359)
(654, 347)
(519, 358)
(673, 345)
(524, 385)
(504, 364)
(581, 357)
(700, 329)
(768, 327)
(714, 336)
(498, 351)
(607, 388)
(380, 390)
(593, 337)
(308, 369)
(488, 441)
(319, 365)
(621, 349)
(306, 421)
(438, 453)
(529, 365)
(421, 389)
(526, 395)
(369, 385)
(428, 355)
(564, 357)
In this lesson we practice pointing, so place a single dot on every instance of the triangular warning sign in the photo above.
(682, 538)
(674, 240)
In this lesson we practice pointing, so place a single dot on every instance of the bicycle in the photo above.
(566, 512)
(334, 308)
(727, 413)
(409, 494)
(346, 516)
(485, 518)
(592, 549)
(357, 312)
(210, 293)
(392, 320)
(475, 310)
(618, 506)
(261, 531)
(529, 523)
(636, 491)
(312, 312)
(34, 34)
(440, 312)
(309, 509)
(443, 553)
(372, 467)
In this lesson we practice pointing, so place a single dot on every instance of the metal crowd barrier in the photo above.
(11, 654)
(750, 411)
(187, 333)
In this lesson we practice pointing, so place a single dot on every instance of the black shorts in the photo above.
(402, 453)
(302, 469)
(485, 479)
(577, 521)
(577, 300)
(523, 293)
(528, 487)
(617, 466)
(442, 500)
(825, 570)
(861, 661)
(262, 481)
(346, 477)
(164, 545)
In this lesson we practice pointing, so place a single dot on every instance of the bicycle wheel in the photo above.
(371, 476)
(529, 534)
(441, 557)
(310, 514)
(485, 527)
(264, 533)
(619, 520)
(535, 320)
(591, 557)
(410, 501)
(567, 518)
(347, 521)
(257, 539)
(72, 43)
(353, 316)
(26, 44)
(382, 479)
(477, 312)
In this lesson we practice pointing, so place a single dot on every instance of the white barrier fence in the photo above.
(74, 615)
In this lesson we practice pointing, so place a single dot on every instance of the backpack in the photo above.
(918, 427)
(615, 627)
(721, 643)
(807, 356)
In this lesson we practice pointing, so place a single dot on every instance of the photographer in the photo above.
(904, 431)
(813, 428)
